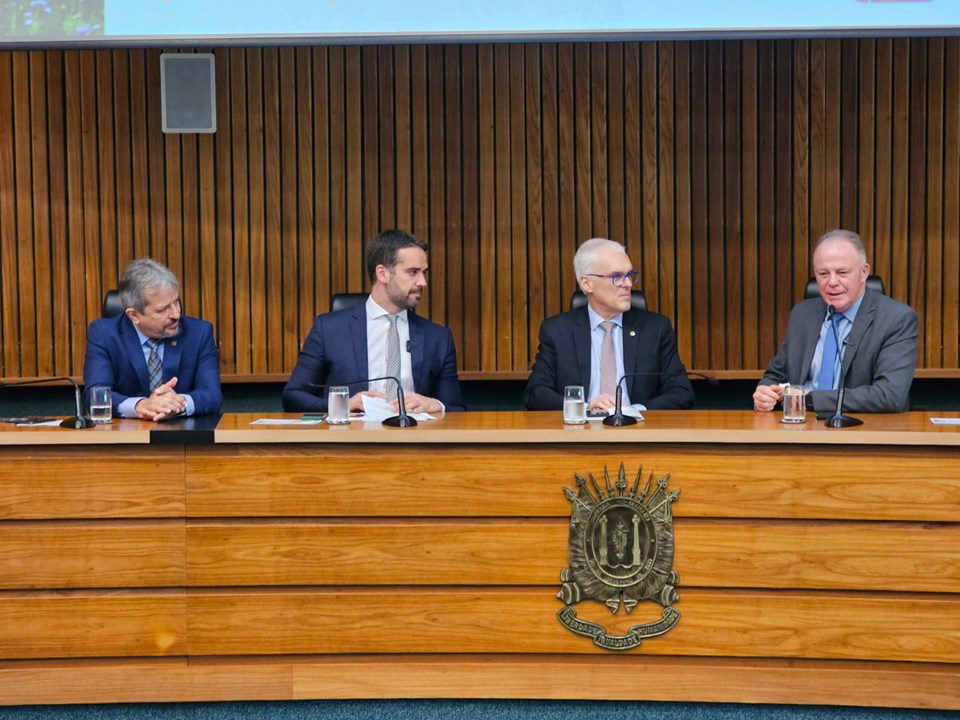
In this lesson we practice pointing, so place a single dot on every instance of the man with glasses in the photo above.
(382, 337)
(594, 346)
(157, 362)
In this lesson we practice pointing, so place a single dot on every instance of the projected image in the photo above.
(51, 18)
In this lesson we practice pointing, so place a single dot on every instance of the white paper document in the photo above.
(945, 421)
(377, 410)
(285, 421)
(45, 423)
(627, 410)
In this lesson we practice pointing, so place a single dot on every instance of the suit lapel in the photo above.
(417, 368)
(631, 342)
(358, 331)
(581, 343)
(863, 321)
(811, 335)
(131, 343)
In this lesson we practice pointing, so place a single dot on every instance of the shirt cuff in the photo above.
(639, 406)
(443, 408)
(128, 407)
(190, 406)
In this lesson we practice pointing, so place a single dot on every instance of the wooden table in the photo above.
(816, 565)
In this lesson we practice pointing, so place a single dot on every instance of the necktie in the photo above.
(154, 370)
(828, 362)
(608, 360)
(392, 367)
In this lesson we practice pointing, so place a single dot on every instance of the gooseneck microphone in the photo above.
(78, 422)
(401, 419)
(839, 420)
(618, 419)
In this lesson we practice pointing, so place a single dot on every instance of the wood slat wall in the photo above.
(717, 163)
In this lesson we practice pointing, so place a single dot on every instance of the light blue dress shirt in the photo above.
(596, 344)
(844, 326)
(127, 408)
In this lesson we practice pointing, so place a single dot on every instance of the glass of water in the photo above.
(338, 405)
(101, 404)
(574, 406)
(794, 404)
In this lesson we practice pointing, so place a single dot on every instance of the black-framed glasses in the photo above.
(619, 279)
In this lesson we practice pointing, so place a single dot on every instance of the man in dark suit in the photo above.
(158, 363)
(594, 346)
(381, 337)
(877, 338)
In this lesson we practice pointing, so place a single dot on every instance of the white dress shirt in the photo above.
(377, 327)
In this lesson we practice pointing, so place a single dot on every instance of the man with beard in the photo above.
(381, 337)
(158, 363)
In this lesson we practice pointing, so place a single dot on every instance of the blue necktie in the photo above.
(829, 359)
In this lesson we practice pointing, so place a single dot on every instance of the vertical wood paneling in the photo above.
(718, 164)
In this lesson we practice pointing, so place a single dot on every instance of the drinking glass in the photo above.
(101, 404)
(794, 404)
(574, 406)
(338, 405)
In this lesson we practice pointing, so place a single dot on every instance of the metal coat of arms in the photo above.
(621, 552)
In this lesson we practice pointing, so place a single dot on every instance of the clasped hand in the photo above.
(163, 403)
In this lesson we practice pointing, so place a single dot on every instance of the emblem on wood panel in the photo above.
(621, 552)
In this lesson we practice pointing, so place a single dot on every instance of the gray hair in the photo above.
(847, 235)
(587, 254)
(141, 275)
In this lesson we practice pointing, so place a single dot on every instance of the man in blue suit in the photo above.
(381, 337)
(594, 346)
(159, 363)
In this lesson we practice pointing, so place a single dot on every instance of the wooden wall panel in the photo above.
(717, 163)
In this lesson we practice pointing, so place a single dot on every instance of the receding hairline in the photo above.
(587, 253)
(848, 236)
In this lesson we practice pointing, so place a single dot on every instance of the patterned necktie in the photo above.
(154, 369)
(608, 360)
(828, 361)
(392, 368)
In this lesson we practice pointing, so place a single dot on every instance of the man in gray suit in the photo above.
(877, 338)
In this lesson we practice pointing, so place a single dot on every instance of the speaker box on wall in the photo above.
(188, 93)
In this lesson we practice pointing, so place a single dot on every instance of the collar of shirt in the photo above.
(374, 310)
(146, 348)
(595, 319)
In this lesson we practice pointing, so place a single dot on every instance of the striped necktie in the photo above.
(392, 368)
(608, 360)
(154, 369)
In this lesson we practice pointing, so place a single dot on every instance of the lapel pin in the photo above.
(174, 343)
(633, 333)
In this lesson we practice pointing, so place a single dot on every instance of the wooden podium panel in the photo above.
(816, 565)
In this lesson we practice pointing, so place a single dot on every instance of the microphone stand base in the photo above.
(619, 420)
(843, 421)
(401, 421)
(77, 423)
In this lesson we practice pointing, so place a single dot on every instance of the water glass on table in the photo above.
(574, 405)
(338, 405)
(794, 404)
(101, 404)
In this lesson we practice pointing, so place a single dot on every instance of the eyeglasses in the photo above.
(619, 279)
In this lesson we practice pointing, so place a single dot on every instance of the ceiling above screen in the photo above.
(220, 22)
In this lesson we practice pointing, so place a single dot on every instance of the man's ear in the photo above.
(586, 284)
(382, 273)
(132, 314)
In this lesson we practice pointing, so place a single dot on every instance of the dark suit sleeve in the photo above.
(676, 393)
(97, 368)
(206, 393)
(776, 371)
(541, 391)
(447, 386)
(302, 391)
(893, 370)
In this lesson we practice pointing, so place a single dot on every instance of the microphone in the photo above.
(401, 419)
(839, 420)
(618, 419)
(78, 422)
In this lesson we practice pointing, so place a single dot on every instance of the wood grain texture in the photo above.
(481, 676)
(735, 623)
(717, 164)
(59, 554)
(112, 482)
(710, 553)
(117, 623)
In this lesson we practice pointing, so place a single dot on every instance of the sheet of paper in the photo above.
(285, 421)
(627, 410)
(945, 421)
(377, 410)
(46, 423)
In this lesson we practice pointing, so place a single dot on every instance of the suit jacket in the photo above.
(649, 348)
(879, 358)
(115, 358)
(335, 353)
